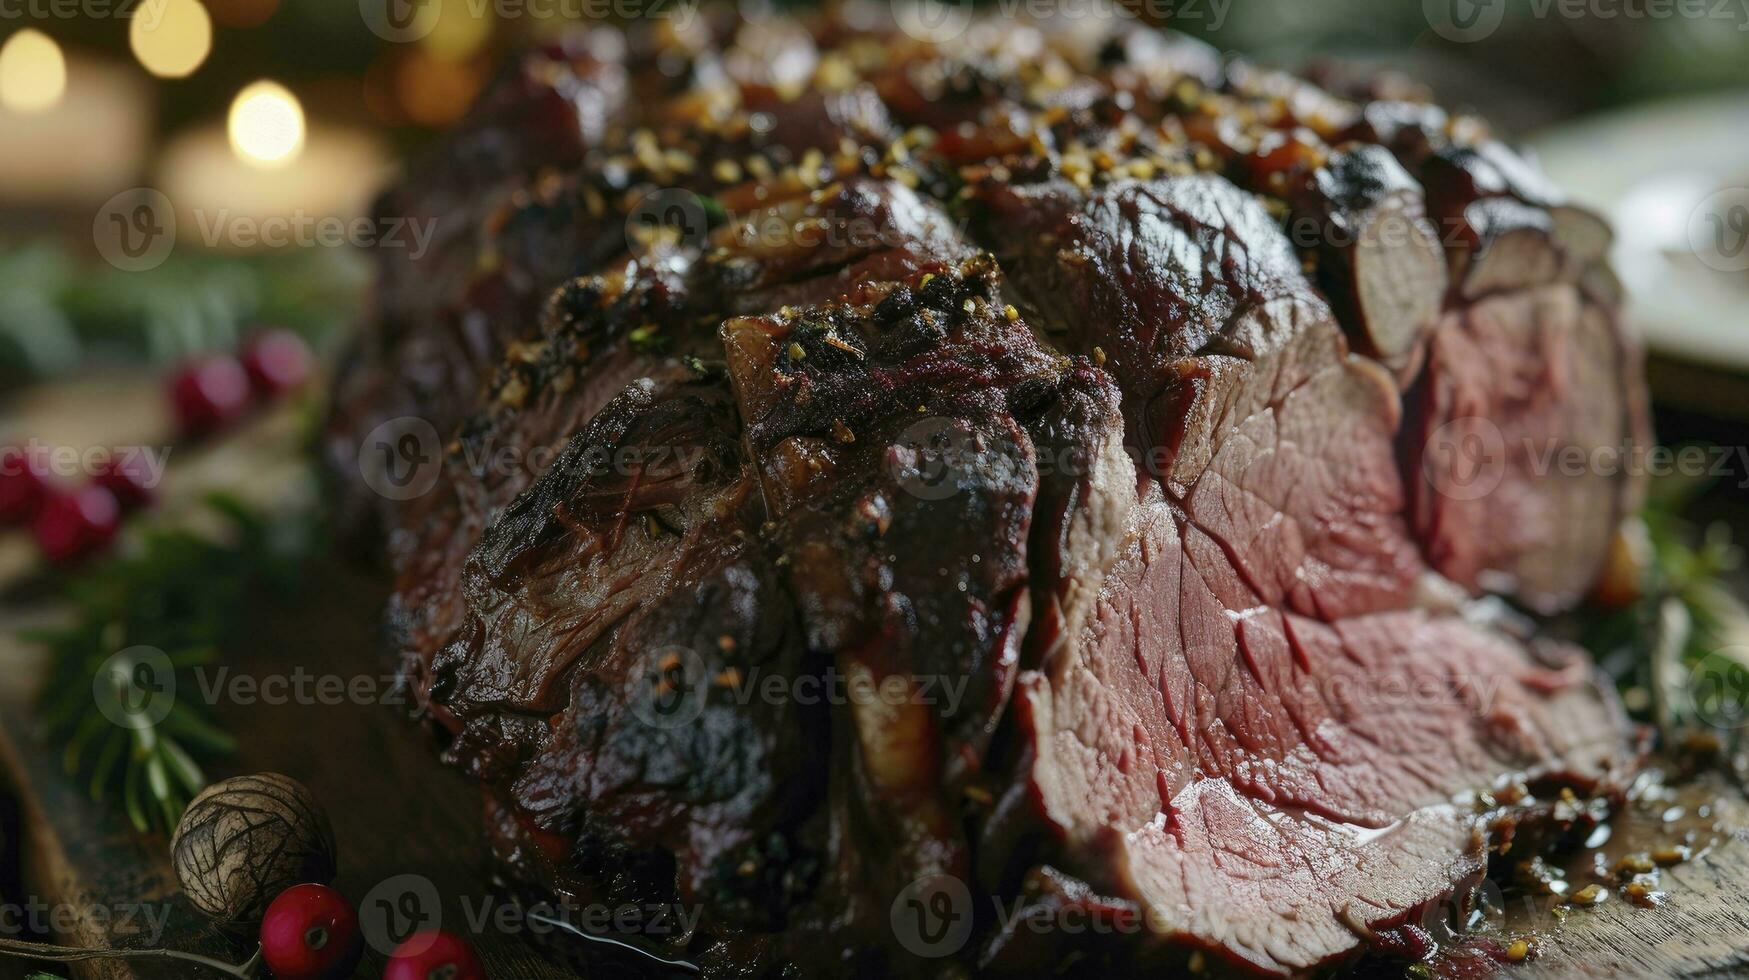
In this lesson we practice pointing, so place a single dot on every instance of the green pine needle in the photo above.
(180, 594)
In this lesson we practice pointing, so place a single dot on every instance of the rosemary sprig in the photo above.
(1681, 653)
(120, 694)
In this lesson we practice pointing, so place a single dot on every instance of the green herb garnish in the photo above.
(121, 692)
(1681, 653)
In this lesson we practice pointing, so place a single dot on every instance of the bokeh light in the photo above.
(171, 38)
(461, 30)
(33, 72)
(267, 124)
(433, 91)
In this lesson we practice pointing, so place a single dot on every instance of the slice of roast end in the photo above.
(1379, 258)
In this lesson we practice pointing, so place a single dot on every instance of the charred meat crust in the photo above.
(1082, 418)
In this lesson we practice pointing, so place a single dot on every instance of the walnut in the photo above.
(245, 840)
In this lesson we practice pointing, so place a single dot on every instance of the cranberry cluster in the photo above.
(72, 523)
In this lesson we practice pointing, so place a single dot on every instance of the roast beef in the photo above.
(902, 499)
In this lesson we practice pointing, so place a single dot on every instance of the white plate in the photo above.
(1673, 178)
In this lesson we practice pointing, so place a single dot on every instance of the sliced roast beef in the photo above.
(1380, 260)
(1235, 688)
(1196, 305)
(1188, 748)
(1530, 367)
(1058, 512)
(1520, 443)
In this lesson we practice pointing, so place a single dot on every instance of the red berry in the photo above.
(209, 394)
(278, 362)
(23, 486)
(71, 526)
(130, 478)
(434, 956)
(310, 932)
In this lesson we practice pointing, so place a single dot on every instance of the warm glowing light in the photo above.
(460, 31)
(435, 92)
(171, 37)
(267, 124)
(33, 72)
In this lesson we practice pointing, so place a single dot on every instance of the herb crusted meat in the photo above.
(1050, 470)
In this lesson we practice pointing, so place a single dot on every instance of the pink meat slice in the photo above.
(1255, 709)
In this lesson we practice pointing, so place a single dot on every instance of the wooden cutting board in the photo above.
(406, 825)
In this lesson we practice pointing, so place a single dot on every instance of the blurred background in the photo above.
(246, 109)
